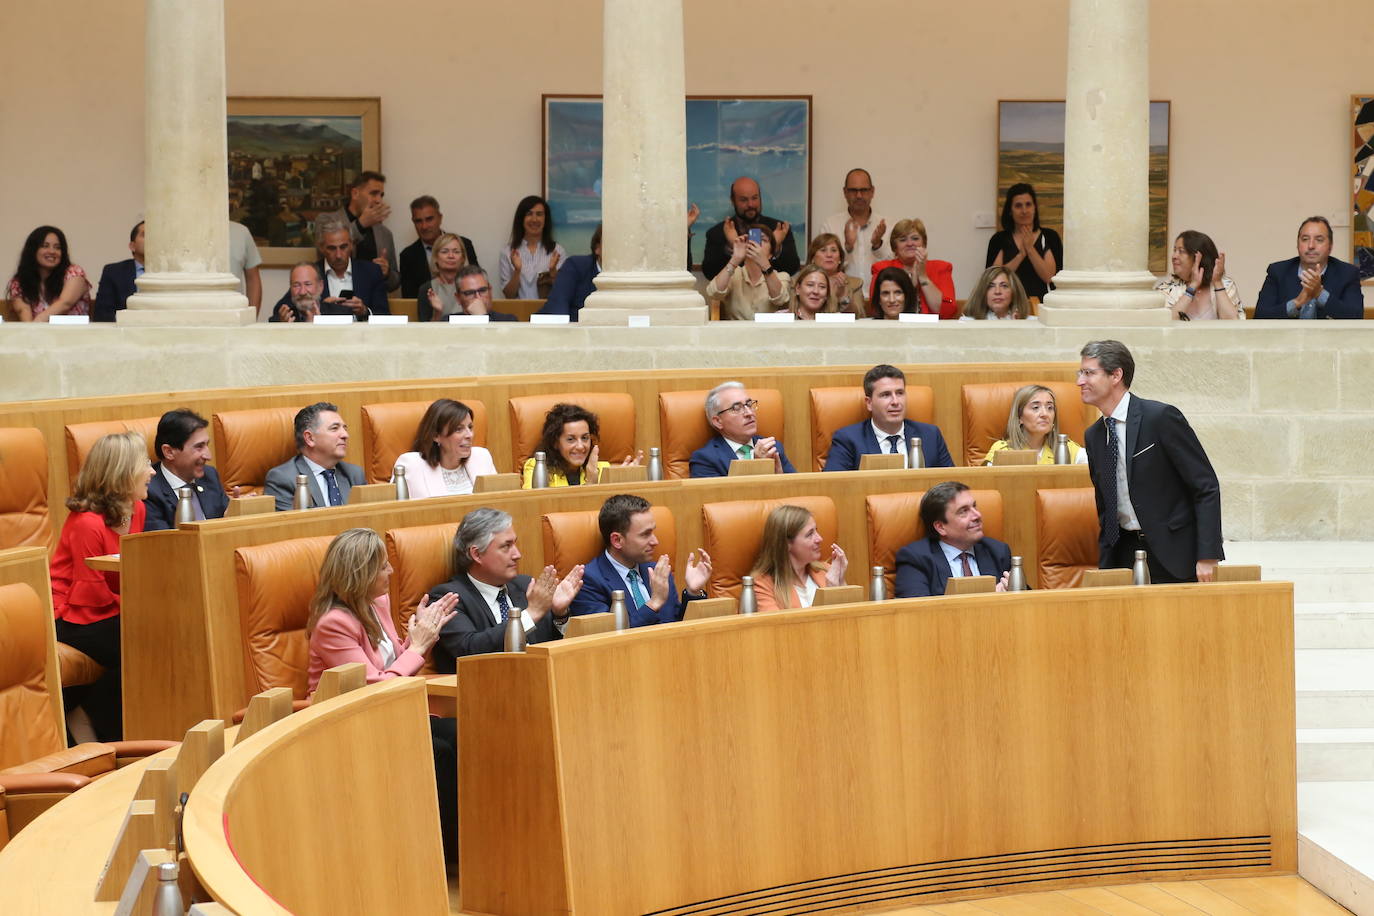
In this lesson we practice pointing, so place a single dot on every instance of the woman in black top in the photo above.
(1034, 254)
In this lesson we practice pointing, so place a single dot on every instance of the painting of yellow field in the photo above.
(1030, 147)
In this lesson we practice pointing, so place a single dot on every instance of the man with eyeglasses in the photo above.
(863, 232)
(733, 415)
(474, 294)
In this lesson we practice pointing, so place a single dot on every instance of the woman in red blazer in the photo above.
(934, 280)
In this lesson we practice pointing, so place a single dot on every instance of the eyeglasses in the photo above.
(479, 291)
(1089, 373)
(750, 405)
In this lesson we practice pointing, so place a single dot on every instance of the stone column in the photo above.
(644, 170)
(186, 180)
(1105, 280)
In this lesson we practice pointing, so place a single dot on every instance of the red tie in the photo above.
(963, 558)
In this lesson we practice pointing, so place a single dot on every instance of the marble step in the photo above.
(1336, 841)
(1321, 571)
(1335, 754)
(1335, 688)
(1334, 625)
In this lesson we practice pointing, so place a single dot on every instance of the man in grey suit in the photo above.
(372, 240)
(321, 441)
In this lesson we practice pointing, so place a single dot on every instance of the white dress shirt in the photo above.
(956, 566)
(859, 262)
(336, 283)
(1125, 512)
(883, 443)
(489, 592)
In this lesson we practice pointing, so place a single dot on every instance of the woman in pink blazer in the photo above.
(443, 461)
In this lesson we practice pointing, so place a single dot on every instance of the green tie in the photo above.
(746, 451)
(635, 592)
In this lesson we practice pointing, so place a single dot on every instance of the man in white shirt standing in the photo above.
(860, 230)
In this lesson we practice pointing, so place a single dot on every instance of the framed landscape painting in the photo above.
(1362, 190)
(1030, 147)
(291, 159)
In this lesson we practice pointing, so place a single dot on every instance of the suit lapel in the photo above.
(941, 565)
(1131, 445)
(316, 497)
(871, 444)
(482, 615)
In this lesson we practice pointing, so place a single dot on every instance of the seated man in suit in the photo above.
(321, 442)
(117, 279)
(730, 411)
(574, 283)
(954, 545)
(628, 565)
(183, 447)
(303, 300)
(416, 257)
(474, 294)
(887, 430)
(485, 558)
(343, 273)
(1314, 284)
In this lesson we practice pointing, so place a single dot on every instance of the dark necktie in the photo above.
(892, 444)
(963, 558)
(331, 485)
(1111, 525)
(502, 605)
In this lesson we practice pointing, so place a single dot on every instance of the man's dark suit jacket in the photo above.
(1281, 284)
(922, 569)
(851, 442)
(475, 629)
(368, 286)
(718, 252)
(425, 312)
(116, 286)
(572, 286)
(281, 483)
(713, 459)
(1173, 488)
(415, 265)
(162, 499)
(599, 579)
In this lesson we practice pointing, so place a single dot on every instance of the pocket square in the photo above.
(1143, 450)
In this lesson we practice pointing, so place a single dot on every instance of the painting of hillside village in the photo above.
(289, 165)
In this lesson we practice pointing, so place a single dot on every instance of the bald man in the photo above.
(747, 200)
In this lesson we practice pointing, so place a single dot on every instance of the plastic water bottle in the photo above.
(1061, 449)
(540, 478)
(515, 632)
(655, 463)
(302, 499)
(748, 604)
(1016, 581)
(167, 897)
(877, 585)
(398, 474)
(185, 511)
(1140, 570)
(915, 458)
(618, 610)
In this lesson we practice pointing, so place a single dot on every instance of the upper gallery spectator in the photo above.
(46, 282)
(893, 295)
(364, 215)
(788, 569)
(1314, 284)
(474, 294)
(748, 203)
(443, 461)
(321, 442)
(303, 300)
(864, 232)
(437, 297)
(811, 293)
(998, 296)
(846, 292)
(529, 261)
(574, 283)
(344, 272)
(245, 263)
(1199, 289)
(183, 448)
(731, 413)
(954, 545)
(759, 287)
(887, 430)
(933, 280)
(117, 279)
(1033, 423)
(417, 256)
(1034, 253)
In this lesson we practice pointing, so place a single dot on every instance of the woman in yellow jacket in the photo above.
(571, 447)
(1033, 424)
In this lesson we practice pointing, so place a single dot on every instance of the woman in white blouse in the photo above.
(443, 460)
(1199, 289)
(530, 262)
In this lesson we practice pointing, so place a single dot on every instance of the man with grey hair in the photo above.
(490, 589)
(732, 414)
(416, 257)
(321, 443)
(302, 299)
(350, 283)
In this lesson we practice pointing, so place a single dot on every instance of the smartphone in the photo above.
(345, 294)
(756, 236)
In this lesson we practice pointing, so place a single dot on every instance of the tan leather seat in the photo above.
(24, 517)
(82, 436)
(1066, 529)
(834, 408)
(575, 537)
(683, 427)
(251, 443)
(275, 583)
(615, 414)
(894, 520)
(421, 558)
(76, 667)
(389, 431)
(986, 407)
(733, 531)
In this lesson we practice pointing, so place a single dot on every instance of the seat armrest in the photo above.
(129, 751)
(89, 759)
(19, 784)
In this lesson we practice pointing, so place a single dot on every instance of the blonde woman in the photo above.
(788, 570)
(846, 292)
(438, 296)
(811, 293)
(998, 296)
(1033, 423)
(106, 504)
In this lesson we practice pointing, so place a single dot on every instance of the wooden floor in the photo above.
(1282, 896)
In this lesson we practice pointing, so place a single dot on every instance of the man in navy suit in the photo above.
(731, 413)
(886, 431)
(415, 257)
(628, 565)
(117, 279)
(344, 273)
(183, 445)
(954, 545)
(574, 283)
(1314, 284)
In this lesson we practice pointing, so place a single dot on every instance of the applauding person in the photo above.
(438, 296)
(1199, 289)
(933, 280)
(1314, 284)
(1035, 254)
(758, 287)
(846, 292)
(788, 570)
(529, 263)
(571, 445)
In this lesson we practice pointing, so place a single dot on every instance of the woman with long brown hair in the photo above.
(442, 460)
(788, 570)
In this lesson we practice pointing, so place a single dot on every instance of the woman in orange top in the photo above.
(788, 570)
(934, 280)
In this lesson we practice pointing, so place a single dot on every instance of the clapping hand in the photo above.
(838, 563)
(593, 465)
(779, 233)
(877, 240)
(697, 574)
(383, 263)
(553, 262)
(286, 313)
(516, 261)
(633, 460)
(693, 212)
(658, 584)
(429, 619)
(739, 248)
(731, 230)
(851, 234)
(1219, 270)
(435, 305)
(566, 590)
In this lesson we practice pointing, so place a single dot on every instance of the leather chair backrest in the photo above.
(986, 407)
(24, 517)
(275, 584)
(732, 533)
(834, 408)
(421, 558)
(615, 414)
(28, 729)
(389, 431)
(894, 520)
(1066, 529)
(251, 443)
(81, 436)
(683, 427)
(575, 537)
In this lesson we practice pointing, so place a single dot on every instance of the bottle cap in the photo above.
(654, 451)
(1140, 554)
(302, 478)
(878, 571)
(1015, 561)
(399, 470)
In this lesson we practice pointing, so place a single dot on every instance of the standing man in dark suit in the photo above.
(485, 561)
(183, 446)
(747, 200)
(628, 565)
(1156, 490)
(343, 273)
(574, 283)
(887, 430)
(117, 280)
(418, 255)
(321, 443)
(1314, 284)
(731, 413)
(954, 545)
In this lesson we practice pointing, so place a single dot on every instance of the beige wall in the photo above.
(1259, 120)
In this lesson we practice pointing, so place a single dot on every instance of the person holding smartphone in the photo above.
(748, 283)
